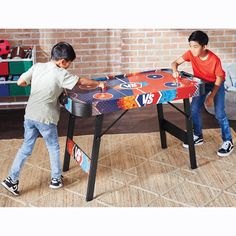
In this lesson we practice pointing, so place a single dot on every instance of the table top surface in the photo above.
(134, 90)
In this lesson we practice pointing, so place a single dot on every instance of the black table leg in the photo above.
(189, 127)
(94, 157)
(160, 115)
(70, 133)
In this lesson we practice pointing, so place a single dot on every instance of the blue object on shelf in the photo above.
(15, 77)
(4, 90)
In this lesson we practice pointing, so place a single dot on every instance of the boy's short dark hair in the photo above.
(200, 37)
(63, 50)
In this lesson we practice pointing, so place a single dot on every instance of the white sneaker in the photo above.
(198, 140)
(226, 148)
(56, 183)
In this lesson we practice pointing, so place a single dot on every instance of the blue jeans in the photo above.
(50, 136)
(219, 105)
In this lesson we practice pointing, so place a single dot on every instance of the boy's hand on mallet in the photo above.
(176, 74)
(102, 85)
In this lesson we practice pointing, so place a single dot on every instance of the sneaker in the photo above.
(56, 183)
(198, 140)
(11, 186)
(226, 148)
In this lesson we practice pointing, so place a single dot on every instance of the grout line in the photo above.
(175, 201)
(173, 187)
(203, 185)
(102, 203)
(214, 198)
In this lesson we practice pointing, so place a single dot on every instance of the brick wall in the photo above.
(111, 51)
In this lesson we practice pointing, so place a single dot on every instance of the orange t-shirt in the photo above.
(207, 69)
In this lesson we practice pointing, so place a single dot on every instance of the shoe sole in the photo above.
(196, 144)
(9, 189)
(224, 154)
(55, 187)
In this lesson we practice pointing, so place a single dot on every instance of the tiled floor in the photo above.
(133, 171)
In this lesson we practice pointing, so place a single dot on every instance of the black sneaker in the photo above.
(198, 140)
(11, 186)
(226, 148)
(56, 183)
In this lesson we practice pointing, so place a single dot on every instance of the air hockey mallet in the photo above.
(103, 79)
(177, 80)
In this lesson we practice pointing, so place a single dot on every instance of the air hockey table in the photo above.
(125, 92)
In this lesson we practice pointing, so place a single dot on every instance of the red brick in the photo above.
(94, 70)
(185, 33)
(153, 34)
(216, 45)
(48, 30)
(72, 34)
(153, 47)
(230, 32)
(169, 34)
(169, 46)
(214, 32)
(125, 47)
(90, 58)
(30, 30)
(88, 34)
(97, 40)
(22, 36)
(98, 52)
(87, 46)
(146, 53)
(224, 38)
(35, 35)
(229, 56)
(113, 51)
(137, 59)
(177, 52)
(233, 44)
(105, 33)
(179, 40)
(137, 47)
(80, 40)
(125, 59)
(13, 30)
(137, 35)
(145, 41)
(6, 36)
(113, 39)
(153, 58)
(129, 53)
(130, 41)
(108, 45)
(183, 46)
(45, 41)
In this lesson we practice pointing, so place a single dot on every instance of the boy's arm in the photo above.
(90, 82)
(21, 82)
(210, 98)
(25, 78)
(175, 64)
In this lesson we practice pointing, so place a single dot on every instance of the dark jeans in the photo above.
(219, 105)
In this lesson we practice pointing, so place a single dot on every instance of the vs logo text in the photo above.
(148, 99)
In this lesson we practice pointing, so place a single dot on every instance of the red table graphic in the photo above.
(125, 92)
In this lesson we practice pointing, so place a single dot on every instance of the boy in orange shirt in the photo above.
(207, 66)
